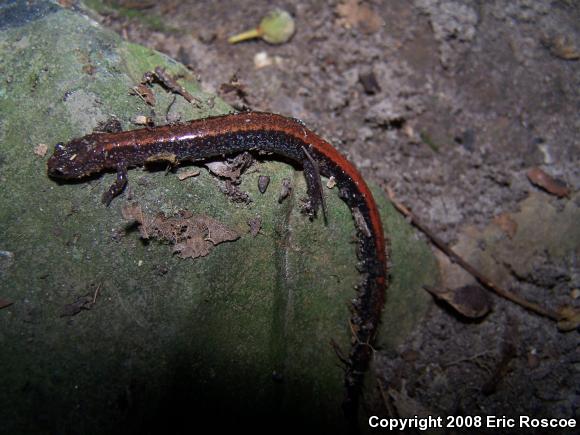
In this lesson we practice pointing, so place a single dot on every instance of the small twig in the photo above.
(169, 108)
(170, 83)
(486, 282)
(97, 292)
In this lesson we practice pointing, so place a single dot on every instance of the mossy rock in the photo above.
(243, 333)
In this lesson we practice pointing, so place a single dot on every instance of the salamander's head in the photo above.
(77, 159)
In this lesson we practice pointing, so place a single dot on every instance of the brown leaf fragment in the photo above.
(505, 222)
(216, 231)
(353, 13)
(231, 168)
(255, 225)
(285, 191)
(41, 149)
(81, 303)
(549, 184)
(193, 247)
(470, 300)
(562, 46)
(191, 235)
(146, 94)
(111, 125)
(170, 83)
(234, 193)
(187, 174)
(133, 212)
(569, 319)
(4, 303)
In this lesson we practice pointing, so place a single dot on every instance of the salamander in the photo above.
(265, 133)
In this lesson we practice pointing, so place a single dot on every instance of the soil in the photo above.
(468, 97)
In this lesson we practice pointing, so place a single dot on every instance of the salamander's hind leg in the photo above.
(314, 186)
(117, 187)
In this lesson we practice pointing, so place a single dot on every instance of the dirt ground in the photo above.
(468, 97)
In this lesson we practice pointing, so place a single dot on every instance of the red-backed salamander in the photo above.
(268, 133)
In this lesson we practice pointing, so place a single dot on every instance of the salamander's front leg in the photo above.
(117, 187)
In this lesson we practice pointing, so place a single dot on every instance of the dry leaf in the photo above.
(355, 14)
(470, 300)
(255, 225)
(41, 149)
(192, 235)
(549, 184)
(507, 224)
(80, 304)
(193, 247)
(145, 93)
(231, 168)
(170, 83)
(569, 319)
(561, 46)
(187, 174)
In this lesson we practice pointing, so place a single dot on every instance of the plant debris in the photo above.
(4, 303)
(188, 174)
(470, 300)
(481, 278)
(551, 185)
(505, 222)
(263, 182)
(561, 46)
(255, 225)
(81, 303)
(111, 125)
(285, 191)
(191, 235)
(569, 319)
(169, 82)
(232, 168)
(146, 94)
(234, 193)
(277, 27)
(41, 149)
(355, 14)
